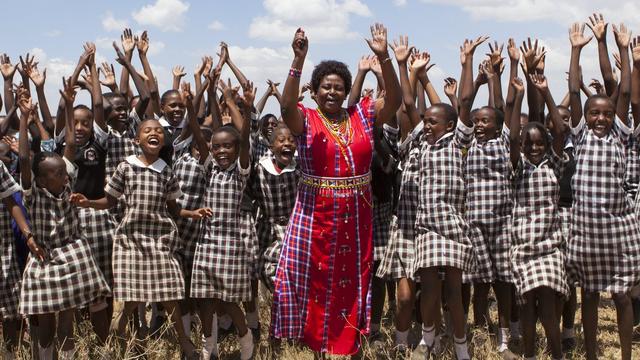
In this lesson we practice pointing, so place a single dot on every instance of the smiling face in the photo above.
(599, 114)
(150, 137)
(534, 144)
(84, 125)
(267, 125)
(436, 124)
(173, 107)
(225, 148)
(117, 113)
(283, 146)
(485, 124)
(331, 94)
(52, 175)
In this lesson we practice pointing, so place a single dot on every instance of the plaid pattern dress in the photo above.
(399, 253)
(536, 255)
(489, 206)
(603, 251)
(69, 277)
(9, 268)
(221, 269)
(193, 182)
(322, 288)
(275, 194)
(146, 264)
(383, 205)
(441, 230)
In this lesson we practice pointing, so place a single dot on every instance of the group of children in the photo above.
(182, 200)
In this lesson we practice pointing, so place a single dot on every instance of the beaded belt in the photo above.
(331, 183)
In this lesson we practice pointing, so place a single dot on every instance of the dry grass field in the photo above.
(481, 342)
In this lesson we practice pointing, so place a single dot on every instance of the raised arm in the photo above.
(212, 98)
(89, 51)
(599, 27)
(467, 93)
(109, 77)
(514, 128)
(364, 66)
(239, 122)
(514, 60)
(289, 104)
(578, 41)
(24, 155)
(143, 47)
(427, 85)
(141, 107)
(96, 96)
(450, 89)
(128, 44)
(386, 107)
(533, 56)
(263, 100)
(558, 130)
(402, 51)
(497, 65)
(8, 70)
(69, 95)
(635, 81)
(178, 74)
(38, 80)
(201, 143)
(623, 38)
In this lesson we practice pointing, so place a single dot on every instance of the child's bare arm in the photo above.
(24, 155)
(402, 51)
(38, 80)
(68, 95)
(467, 93)
(236, 71)
(497, 65)
(107, 202)
(534, 58)
(578, 41)
(623, 38)
(214, 107)
(239, 122)
(128, 45)
(263, 100)
(558, 130)
(450, 89)
(514, 60)
(143, 91)
(96, 95)
(514, 122)
(635, 81)
(599, 27)
(194, 127)
(8, 70)
(143, 47)
(178, 74)
(364, 66)
(89, 51)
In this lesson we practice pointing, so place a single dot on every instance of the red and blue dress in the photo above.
(322, 286)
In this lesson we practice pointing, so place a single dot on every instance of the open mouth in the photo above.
(154, 141)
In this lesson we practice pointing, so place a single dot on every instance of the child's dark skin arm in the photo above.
(491, 83)
(514, 60)
(263, 100)
(40, 131)
(178, 74)
(578, 41)
(17, 214)
(143, 46)
(206, 69)
(236, 71)
(635, 81)
(69, 94)
(128, 45)
(107, 202)
(89, 51)
(201, 143)
(24, 68)
(38, 81)
(533, 62)
(497, 65)
(599, 27)
(176, 211)
(623, 38)
(239, 122)
(8, 70)
(4, 123)
(402, 51)
(558, 130)
(24, 155)
(514, 128)
(214, 107)
(192, 115)
(143, 91)
(364, 65)
(96, 97)
(467, 92)
(386, 107)
(450, 89)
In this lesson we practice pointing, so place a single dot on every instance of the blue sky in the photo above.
(259, 32)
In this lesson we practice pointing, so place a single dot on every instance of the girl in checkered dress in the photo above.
(275, 185)
(221, 275)
(10, 275)
(146, 264)
(603, 251)
(442, 241)
(62, 274)
(536, 254)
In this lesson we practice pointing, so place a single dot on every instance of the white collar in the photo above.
(164, 123)
(267, 164)
(444, 137)
(157, 166)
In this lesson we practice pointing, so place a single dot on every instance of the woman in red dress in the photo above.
(322, 286)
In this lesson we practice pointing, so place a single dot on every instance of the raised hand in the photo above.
(24, 100)
(68, 91)
(482, 77)
(178, 71)
(300, 44)
(87, 81)
(109, 75)
(532, 54)
(495, 55)
(401, 49)
(224, 52)
(88, 56)
(26, 66)
(186, 91)
(143, 43)
(375, 66)
(128, 41)
(273, 87)
(38, 78)
(450, 86)
(597, 86)
(622, 35)
(540, 82)
(576, 36)
(365, 63)
(120, 58)
(469, 47)
(208, 64)
(421, 61)
(228, 91)
(378, 41)
(512, 50)
(6, 67)
(248, 94)
(518, 85)
(598, 26)
(199, 69)
(635, 51)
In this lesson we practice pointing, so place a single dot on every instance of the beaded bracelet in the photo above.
(293, 72)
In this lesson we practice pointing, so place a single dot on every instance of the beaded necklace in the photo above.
(342, 134)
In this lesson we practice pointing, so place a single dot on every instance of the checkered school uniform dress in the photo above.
(69, 277)
(489, 206)
(10, 275)
(603, 251)
(383, 210)
(441, 230)
(632, 175)
(399, 254)
(146, 263)
(221, 269)
(259, 146)
(537, 258)
(193, 182)
(275, 194)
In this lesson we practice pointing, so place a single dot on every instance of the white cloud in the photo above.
(110, 23)
(400, 2)
(167, 15)
(284, 17)
(563, 12)
(216, 26)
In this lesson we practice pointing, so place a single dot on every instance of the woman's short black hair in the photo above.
(330, 67)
